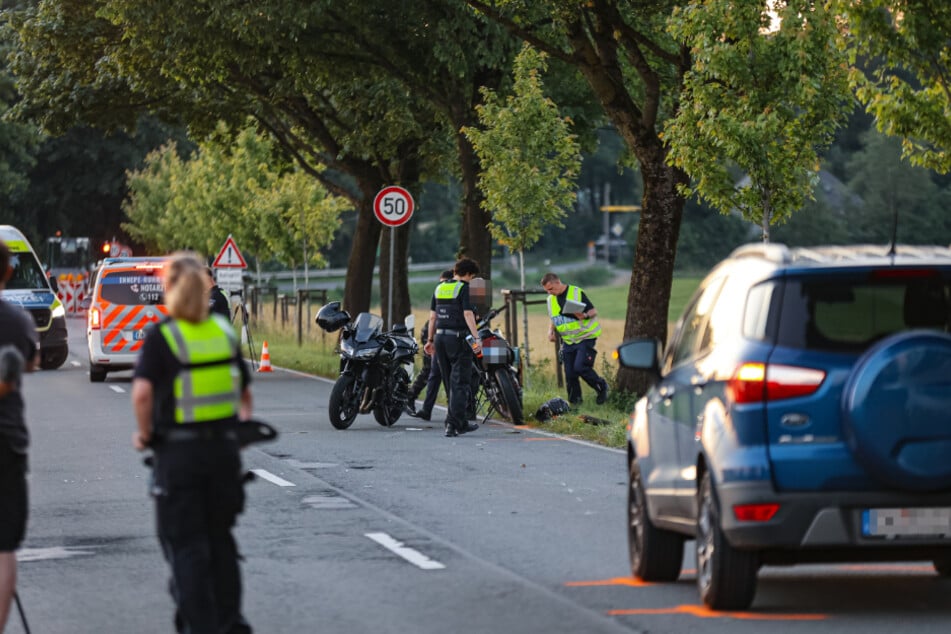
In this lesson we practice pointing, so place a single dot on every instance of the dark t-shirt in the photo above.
(218, 302)
(158, 366)
(457, 320)
(17, 329)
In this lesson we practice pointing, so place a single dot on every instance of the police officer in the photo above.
(217, 300)
(189, 389)
(19, 351)
(451, 319)
(429, 377)
(579, 333)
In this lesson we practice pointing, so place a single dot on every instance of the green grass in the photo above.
(317, 356)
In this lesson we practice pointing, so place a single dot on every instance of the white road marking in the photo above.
(311, 465)
(411, 555)
(56, 552)
(117, 389)
(75, 364)
(328, 502)
(270, 477)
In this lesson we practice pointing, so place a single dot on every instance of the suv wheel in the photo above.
(97, 373)
(726, 577)
(656, 554)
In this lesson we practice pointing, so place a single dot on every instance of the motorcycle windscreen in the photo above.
(366, 327)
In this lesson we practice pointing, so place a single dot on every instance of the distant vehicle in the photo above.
(68, 255)
(30, 288)
(799, 414)
(127, 296)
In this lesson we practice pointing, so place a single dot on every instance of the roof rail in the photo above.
(774, 252)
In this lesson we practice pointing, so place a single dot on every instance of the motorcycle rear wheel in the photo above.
(390, 408)
(509, 400)
(344, 402)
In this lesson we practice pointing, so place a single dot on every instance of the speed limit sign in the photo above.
(393, 206)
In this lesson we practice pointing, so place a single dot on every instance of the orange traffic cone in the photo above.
(265, 360)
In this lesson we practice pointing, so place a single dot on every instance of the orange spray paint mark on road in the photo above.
(617, 581)
(702, 612)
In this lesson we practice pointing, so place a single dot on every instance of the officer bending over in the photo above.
(189, 388)
(451, 319)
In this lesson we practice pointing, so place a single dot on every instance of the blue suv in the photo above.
(801, 413)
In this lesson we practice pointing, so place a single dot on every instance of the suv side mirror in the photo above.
(640, 354)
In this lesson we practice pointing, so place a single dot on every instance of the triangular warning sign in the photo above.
(230, 257)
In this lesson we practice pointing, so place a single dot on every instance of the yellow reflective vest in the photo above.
(208, 386)
(570, 329)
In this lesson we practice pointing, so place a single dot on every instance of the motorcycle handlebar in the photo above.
(489, 316)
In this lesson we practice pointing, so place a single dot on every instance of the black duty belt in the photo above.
(203, 432)
(450, 331)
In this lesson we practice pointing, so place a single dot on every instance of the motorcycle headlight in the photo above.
(366, 353)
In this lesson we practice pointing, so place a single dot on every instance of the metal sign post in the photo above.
(393, 206)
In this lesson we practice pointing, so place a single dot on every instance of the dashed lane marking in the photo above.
(56, 552)
(411, 555)
(75, 364)
(270, 477)
(117, 389)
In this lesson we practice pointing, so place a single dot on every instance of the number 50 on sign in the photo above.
(393, 206)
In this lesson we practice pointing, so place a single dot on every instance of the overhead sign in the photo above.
(393, 206)
(230, 257)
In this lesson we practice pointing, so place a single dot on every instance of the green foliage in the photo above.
(591, 276)
(529, 157)
(242, 189)
(903, 72)
(761, 98)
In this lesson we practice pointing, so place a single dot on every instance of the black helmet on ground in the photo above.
(331, 318)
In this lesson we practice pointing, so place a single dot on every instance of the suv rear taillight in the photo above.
(94, 322)
(759, 382)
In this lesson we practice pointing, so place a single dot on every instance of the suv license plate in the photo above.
(907, 522)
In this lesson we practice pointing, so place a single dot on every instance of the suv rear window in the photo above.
(848, 313)
(132, 287)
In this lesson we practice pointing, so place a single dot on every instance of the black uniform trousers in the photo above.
(578, 359)
(198, 495)
(454, 358)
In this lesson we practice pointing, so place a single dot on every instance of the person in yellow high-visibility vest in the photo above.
(189, 390)
(578, 332)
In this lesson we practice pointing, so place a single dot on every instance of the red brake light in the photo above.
(754, 512)
(94, 322)
(758, 382)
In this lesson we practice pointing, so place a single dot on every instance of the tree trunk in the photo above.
(475, 241)
(356, 292)
(653, 268)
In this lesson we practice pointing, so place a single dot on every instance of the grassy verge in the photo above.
(602, 424)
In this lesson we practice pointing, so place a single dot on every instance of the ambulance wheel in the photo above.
(97, 373)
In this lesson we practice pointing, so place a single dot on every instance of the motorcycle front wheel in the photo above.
(344, 402)
(390, 407)
(509, 401)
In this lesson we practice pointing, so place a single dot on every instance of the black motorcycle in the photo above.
(374, 366)
(498, 376)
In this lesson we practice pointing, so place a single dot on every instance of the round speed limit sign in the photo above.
(393, 206)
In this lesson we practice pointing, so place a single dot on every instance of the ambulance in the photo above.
(30, 288)
(127, 297)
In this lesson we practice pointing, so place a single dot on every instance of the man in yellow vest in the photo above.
(579, 331)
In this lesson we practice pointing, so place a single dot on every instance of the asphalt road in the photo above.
(392, 530)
